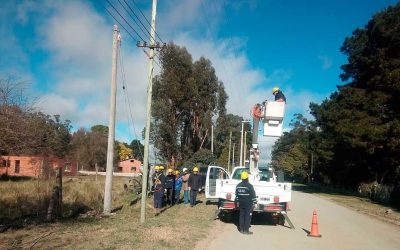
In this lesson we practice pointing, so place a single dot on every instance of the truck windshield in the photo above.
(238, 172)
(265, 174)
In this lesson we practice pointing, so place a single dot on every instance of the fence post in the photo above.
(59, 185)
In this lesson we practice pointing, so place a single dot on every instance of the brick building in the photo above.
(130, 166)
(35, 166)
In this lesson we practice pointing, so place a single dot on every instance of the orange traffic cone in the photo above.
(314, 226)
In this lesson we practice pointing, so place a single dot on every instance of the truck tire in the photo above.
(281, 220)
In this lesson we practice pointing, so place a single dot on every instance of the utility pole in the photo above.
(148, 112)
(241, 145)
(212, 138)
(111, 125)
(229, 152)
(233, 157)
(244, 147)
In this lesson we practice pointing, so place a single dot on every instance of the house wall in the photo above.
(130, 166)
(32, 166)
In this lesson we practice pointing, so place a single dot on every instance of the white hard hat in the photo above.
(184, 169)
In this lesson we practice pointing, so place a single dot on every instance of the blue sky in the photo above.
(63, 48)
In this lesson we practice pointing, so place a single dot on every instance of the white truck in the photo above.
(273, 195)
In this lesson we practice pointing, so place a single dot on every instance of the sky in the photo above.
(63, 50)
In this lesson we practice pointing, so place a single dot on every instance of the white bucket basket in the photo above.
(273, 118)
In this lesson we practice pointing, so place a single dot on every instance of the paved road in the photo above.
(340, 227)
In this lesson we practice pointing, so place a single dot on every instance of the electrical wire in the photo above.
(127, 100)
(125, 20)
(134, 2)
(145, 32)
(144, 26)
(117, 20)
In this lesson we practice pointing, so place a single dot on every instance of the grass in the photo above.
(354, 201)
(177, 227)
(30, 198)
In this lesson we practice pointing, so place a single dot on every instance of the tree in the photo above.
(361, 119)
(26, 131)
(137, 149)
(124, 151)
(186, 97)
(90, 147)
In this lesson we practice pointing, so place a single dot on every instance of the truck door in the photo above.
(214, 174)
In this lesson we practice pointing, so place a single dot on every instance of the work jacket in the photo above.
(245, 194)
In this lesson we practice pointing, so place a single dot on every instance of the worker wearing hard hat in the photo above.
(158, 181)
(185, 186)
(279, 96)
(245, 199)
(170, 186)
(178, 186)
(195, 183)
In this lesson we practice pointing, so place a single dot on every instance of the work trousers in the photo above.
(244, 218)
(170, 196)
(177, 195)
(186, 196)
(193, 197)
(158, 198)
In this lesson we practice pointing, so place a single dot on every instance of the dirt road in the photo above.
(340, 227)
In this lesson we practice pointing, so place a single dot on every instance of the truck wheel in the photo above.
(281, 220)
(217, 214)
(275, 219)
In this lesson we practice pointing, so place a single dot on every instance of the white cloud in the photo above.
(79, 41)
(53, 103)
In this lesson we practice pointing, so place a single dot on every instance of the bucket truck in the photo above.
(273, 195)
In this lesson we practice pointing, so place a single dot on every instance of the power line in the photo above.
(125, 20)
(146, 20)
(116, 20)
(146, 33)
(127, 100)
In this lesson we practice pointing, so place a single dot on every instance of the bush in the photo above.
(376, 192)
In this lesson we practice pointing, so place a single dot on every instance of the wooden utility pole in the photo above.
(233, 157)
(244, 148)
(229, 152)
(212, 138)
(148, 113)
(111, 126)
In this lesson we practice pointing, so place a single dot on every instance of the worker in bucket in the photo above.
(279, 96)
(245, 199)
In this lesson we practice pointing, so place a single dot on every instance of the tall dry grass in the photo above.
(30, 197)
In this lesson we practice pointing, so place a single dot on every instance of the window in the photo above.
(17, 165)
(68, 167)
(133, 169)
(238, 173)
(5, 163)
